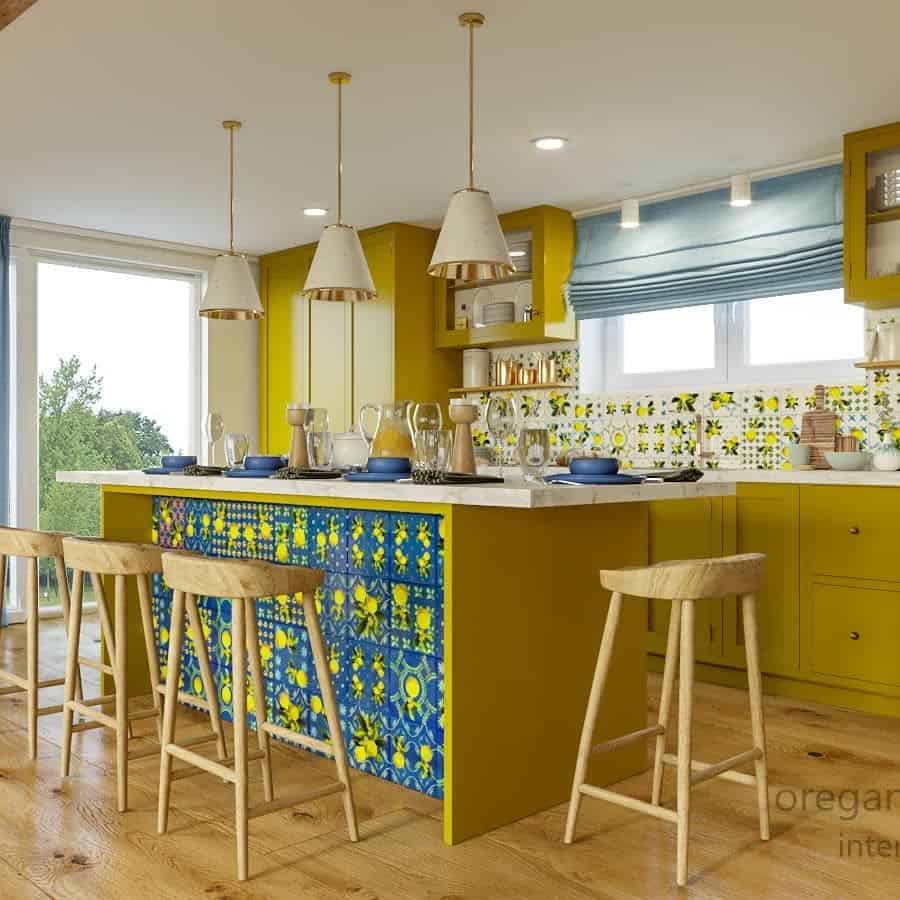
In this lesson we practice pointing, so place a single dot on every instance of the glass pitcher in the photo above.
(392, 435)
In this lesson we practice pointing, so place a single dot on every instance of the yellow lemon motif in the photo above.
(770, 439)
(164, 635)
(787, 423)
(226, 694)
(771, 403)
(251, 703)
(371, 604)
(359, 754)
(226, 639)
(281, 553)
(234, 532)
(425, 753)
(333, 539)
(280, 639)
(423, 618)
(284, 700)
(294, 713)
(399, 761)
(198, 685)
(299, 537)
(265, 651)
(249, 533)
(338, 599)
(316, 705)
(300, 678)
(834, 392)
(618, 438)
(411, 686)
(750, 435)
(359, 594)
(320, 539)
(371, 747)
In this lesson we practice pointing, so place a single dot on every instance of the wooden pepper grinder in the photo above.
(463, 413)
(297, 414)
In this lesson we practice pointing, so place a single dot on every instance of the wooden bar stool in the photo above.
(119, 561)
(31, 546)
(244, 582)
(683, 582)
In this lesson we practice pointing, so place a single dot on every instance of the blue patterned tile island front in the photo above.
(381, 611)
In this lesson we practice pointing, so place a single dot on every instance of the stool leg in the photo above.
(685, 710)
(754, 679)
(32, 655)
(206, 674)
(590, 717)
(173, 673)
(331, 710)
(259, 697)
(143, 587)
(2, 585)
(65, 603)
(665, 699)
(239, 709)
(72, 667)
(121, 682)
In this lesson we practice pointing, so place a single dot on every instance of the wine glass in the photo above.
(425, 416)
(236, 447)
(213, 429)
(534, 452)
(501, 423)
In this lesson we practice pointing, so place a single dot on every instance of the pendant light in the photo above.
(471, 245)
(339, 270)
(231, 292)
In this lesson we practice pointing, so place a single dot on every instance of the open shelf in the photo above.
(879, 364)
(500, 388)
(888, 215)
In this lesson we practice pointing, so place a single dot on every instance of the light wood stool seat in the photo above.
(244, 582)
(120, 561)
(683, 582)
(32, 546)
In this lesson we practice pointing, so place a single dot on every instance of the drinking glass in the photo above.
(317, 419)
(501, 423)
(534, 453)
(431, 454)
(213, 429)
(425, 416)
(320, 448)
(236, 447)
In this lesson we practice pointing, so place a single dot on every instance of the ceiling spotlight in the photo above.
(631, 214)
(315, 211)
(741, 194)
(550, 143)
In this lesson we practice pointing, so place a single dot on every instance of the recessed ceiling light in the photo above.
(516, 253)
(315, 211)
(550, 143)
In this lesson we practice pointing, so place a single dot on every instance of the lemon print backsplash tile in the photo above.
(749, 428)
(381, 610)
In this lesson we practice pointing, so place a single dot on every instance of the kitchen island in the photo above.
(462, 623)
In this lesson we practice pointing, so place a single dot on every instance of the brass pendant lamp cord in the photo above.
(231, 190)
(471, 105)
(340, 164)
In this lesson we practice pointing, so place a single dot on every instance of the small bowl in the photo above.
(389, 465)
(263, 462)
(178, 462)
(593, 465)
(846, 461)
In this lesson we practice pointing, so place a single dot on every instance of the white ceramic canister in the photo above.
(886, 458)
(887, 340)
(476, 368)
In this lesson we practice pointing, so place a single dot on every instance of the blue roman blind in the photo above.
(699, 249)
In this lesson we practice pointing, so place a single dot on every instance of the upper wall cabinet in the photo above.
(343, 355)
(476, 314)
(872, 216)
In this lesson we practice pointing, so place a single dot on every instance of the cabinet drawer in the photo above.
(851, 532)
(855, 632)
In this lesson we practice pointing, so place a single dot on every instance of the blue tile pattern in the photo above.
(382, 616)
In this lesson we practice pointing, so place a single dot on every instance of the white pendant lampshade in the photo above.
(471, 245)
(231, 292)
(339, 270)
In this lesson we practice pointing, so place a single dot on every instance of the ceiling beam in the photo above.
(10, 10)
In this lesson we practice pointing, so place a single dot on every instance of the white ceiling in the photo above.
(111, 110)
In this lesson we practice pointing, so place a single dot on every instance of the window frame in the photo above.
(24, 500)
(604, 373)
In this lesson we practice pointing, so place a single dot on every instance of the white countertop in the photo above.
(513, 493)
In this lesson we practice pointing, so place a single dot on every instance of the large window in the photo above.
(798, 337)
(107, 356)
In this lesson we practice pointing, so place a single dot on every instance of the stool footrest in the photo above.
(263, 809)
(670, 759)
(625, 739)
(221, 769)
(96, 665)
(49, 710)
(85, 709)
(143, 753)
(185, 697)
(87, 726)
(303, 740)
(142, 714)
(11, 677)
(12, 689)
(660, 812)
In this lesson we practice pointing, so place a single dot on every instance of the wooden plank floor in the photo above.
(64, 839)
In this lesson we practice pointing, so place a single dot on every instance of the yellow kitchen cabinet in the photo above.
(688, 529)
(871, 233)
(764, 518)
(341, 356)
(548, 233)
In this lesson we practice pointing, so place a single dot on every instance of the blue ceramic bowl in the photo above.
(589, 465)
(178, 462)
(269, 463)
(389, 465)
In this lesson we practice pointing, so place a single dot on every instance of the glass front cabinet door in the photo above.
(872, 216)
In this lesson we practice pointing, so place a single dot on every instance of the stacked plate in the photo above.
(887, 190)
(171, 465)
(592, 470)
(257, 467)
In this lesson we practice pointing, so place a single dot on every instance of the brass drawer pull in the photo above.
(854, 529)
(854, 635)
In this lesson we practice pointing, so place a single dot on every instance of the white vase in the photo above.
(886, 459)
